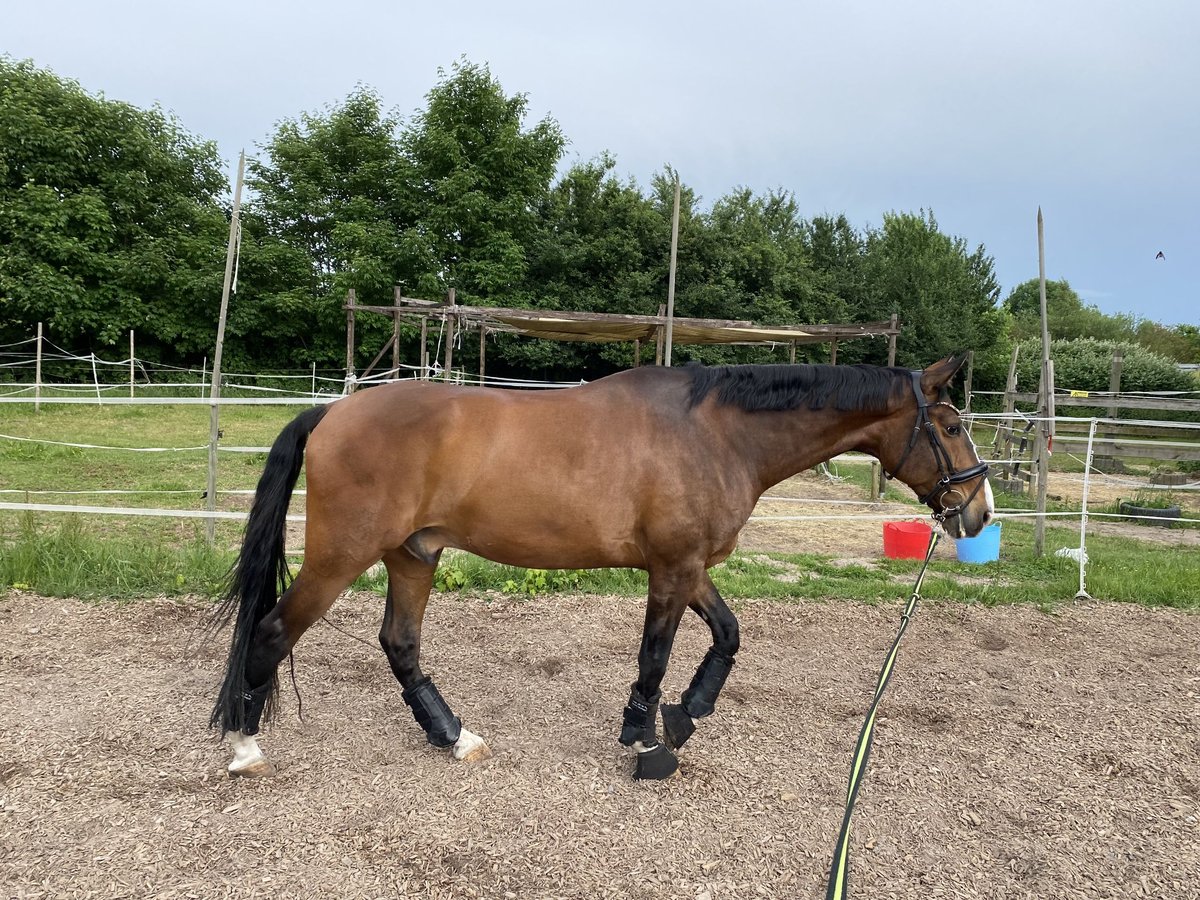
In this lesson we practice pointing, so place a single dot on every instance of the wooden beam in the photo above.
(482, 352)
(967, 383)
(851, 330)
(833, 352)
(892, 332)
(792, 353)
(637, 352)
(1127, 402)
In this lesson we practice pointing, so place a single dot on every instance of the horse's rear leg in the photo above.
(700, 698)
(409, 582)
(305, 601)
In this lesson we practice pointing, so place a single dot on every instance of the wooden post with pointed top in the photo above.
(130, 362)
(1045, 429)
(670, 335)
(214, 396)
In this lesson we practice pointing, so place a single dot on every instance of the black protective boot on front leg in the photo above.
(640, 724)
(677, 725)
(700, 699)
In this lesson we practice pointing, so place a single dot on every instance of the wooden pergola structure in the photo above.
(559, 325)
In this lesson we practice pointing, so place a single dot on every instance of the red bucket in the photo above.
(905, 540)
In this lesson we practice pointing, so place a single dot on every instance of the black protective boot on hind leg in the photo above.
(639, 730)
(253, 704)
(433, 714)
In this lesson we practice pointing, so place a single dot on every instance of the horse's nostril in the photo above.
(987, 516)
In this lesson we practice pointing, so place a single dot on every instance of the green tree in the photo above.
(1084, 364)
(477, 178)
(110, 219)
(944, 293)
(1067, 316)
(331, 210)
(599, 246)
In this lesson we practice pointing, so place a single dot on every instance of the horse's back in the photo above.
(560, 478)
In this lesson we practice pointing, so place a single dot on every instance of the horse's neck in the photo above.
(778, 445)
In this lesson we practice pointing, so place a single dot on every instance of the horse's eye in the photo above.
(953, 430)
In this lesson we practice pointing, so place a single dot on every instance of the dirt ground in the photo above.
(1020, 754)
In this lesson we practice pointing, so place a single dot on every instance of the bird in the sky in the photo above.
(1161, 255)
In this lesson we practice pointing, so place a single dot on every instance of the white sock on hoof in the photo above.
(470, 746)
(246, 753)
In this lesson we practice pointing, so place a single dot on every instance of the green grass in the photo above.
(124, 557)
(66, 560)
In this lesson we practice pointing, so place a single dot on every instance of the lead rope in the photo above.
(840, 872)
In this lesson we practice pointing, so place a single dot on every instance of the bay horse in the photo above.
(651, 468)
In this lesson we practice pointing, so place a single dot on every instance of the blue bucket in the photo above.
(983, 548)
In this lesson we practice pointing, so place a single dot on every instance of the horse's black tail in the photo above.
(261, 572)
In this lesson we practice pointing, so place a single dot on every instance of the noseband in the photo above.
(949, 477)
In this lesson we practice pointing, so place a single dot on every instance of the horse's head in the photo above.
(929, 450)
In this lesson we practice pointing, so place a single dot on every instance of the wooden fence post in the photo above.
(350, 340)
(450, 323)
(37, 372)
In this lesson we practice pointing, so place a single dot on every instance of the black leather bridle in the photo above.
(948, 476)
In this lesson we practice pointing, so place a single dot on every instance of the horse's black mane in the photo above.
(754, 388)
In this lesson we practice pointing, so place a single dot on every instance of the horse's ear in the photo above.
(938, 375)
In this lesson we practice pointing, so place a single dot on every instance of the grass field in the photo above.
(127, 557)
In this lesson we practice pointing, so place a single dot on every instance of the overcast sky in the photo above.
(980, 112)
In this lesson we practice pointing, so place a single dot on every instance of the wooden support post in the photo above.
(350, 340)
(637, 352)
(881, 481)
(450, 330)
(833, 353)
(424, 347)
(396, 334)
(482, 351)
(1004, 436)
(658, 352)
(1106, 460)
(130, 362)
(792, 353)
(37, 372)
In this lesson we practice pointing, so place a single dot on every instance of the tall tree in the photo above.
(1068, 317)
(477, 177)
(110, 219)
(330, 211)
(944, 293)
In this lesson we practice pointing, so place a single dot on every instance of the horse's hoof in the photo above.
(678, 726)
(471, 748)
(258, 768)
(655, 764)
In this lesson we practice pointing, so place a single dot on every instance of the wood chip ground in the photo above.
(1020, 755)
